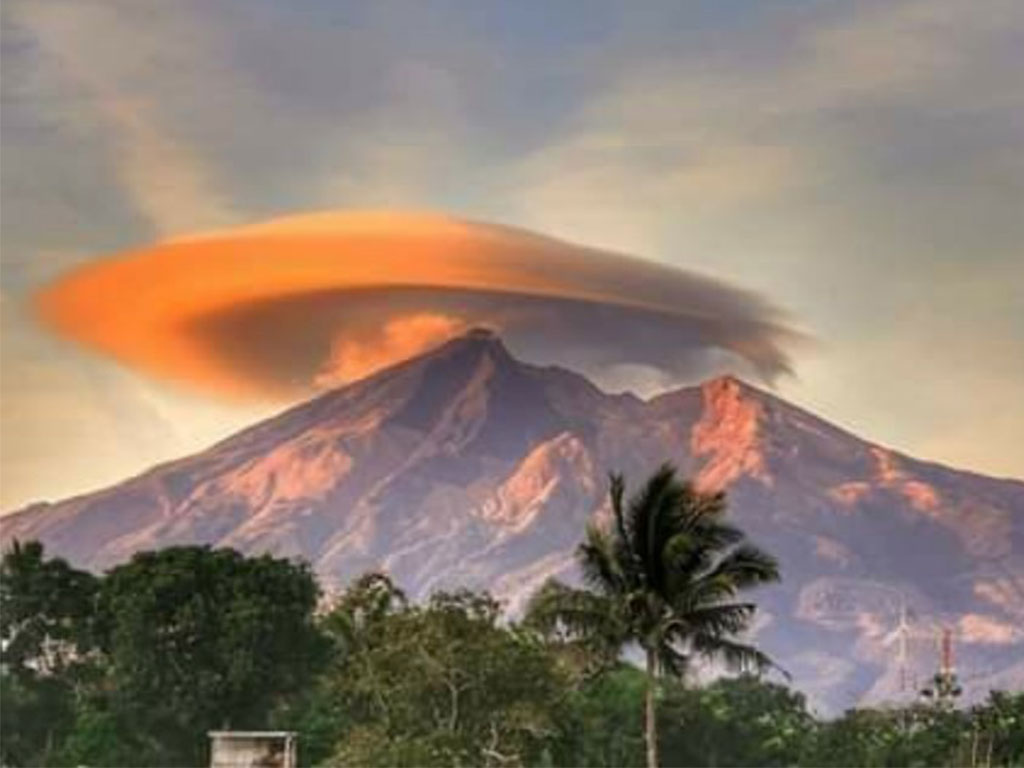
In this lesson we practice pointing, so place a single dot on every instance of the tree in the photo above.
(665, 575)
(863, 737)
(46, 610)
(920, 734)
(734, 721)
(606, 719)
(199, 639)
(99, 737)
(347, 691)
(999, 722)
(438, 684)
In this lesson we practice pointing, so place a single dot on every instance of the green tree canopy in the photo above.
(46, 610)
(439, 684)
(199, 639)
(46, 634)
(735, 722)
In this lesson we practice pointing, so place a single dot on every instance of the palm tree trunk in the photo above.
(651, 720)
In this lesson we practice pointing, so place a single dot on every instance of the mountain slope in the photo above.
(466, 466)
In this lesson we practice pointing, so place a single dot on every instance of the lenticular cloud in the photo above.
(281, 309)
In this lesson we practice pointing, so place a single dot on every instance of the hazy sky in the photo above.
(860, 164)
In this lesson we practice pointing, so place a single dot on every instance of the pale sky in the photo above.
(859, 164)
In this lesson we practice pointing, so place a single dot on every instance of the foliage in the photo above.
(353, 627)
(438, 684)
(199, 639)
(664, 575)
(46, 610)
(1000, 723)
(924, 734)
(737, 721)
(99, 737)
(134, 667)
(35, 715)
(606, 720)
(751, 721)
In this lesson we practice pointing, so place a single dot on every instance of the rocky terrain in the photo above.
(465, 466)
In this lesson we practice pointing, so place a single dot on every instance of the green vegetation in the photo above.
(664, 576)
(134, 667)
(46, 631)
(438, 684)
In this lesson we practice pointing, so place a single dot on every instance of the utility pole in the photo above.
(901, 636)
(902, 631)
(944, 687)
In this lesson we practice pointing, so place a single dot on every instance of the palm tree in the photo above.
(664, 575)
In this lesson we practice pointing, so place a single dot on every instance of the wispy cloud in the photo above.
(94, 47)
(691, 134)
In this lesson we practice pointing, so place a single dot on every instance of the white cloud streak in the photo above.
(90, 45)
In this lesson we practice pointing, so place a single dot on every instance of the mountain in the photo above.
(465, 466)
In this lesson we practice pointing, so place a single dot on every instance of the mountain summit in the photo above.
(465, 466)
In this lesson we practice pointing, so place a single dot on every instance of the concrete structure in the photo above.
(253, 749)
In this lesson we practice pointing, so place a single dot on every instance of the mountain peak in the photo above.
(479, 339)
(482, 333)
(471, 391)
(727, 383)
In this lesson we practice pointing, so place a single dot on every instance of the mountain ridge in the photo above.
(466, 466)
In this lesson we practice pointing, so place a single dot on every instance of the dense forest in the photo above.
(134, 667)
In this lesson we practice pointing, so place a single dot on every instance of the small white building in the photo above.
(253, 749)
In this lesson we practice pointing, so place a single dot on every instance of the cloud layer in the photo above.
(279, 309)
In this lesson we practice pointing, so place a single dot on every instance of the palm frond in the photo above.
(662, 509)
(643, 510)
(671, 661)
(746, 566)
(705, 590)
(709, 506)
(558, 609)
(617, 493)
(723, 620)
(737, 656)
(623, 546)
(693, 552)
(700, 508)
(599, 562)
(717, 534)
(666, 523)
(665, 573)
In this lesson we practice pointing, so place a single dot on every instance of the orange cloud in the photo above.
(281, 308)
(402, 338)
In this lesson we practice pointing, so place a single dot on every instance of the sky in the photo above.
(858, 167)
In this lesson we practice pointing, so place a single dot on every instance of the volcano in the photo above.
(467, 467)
